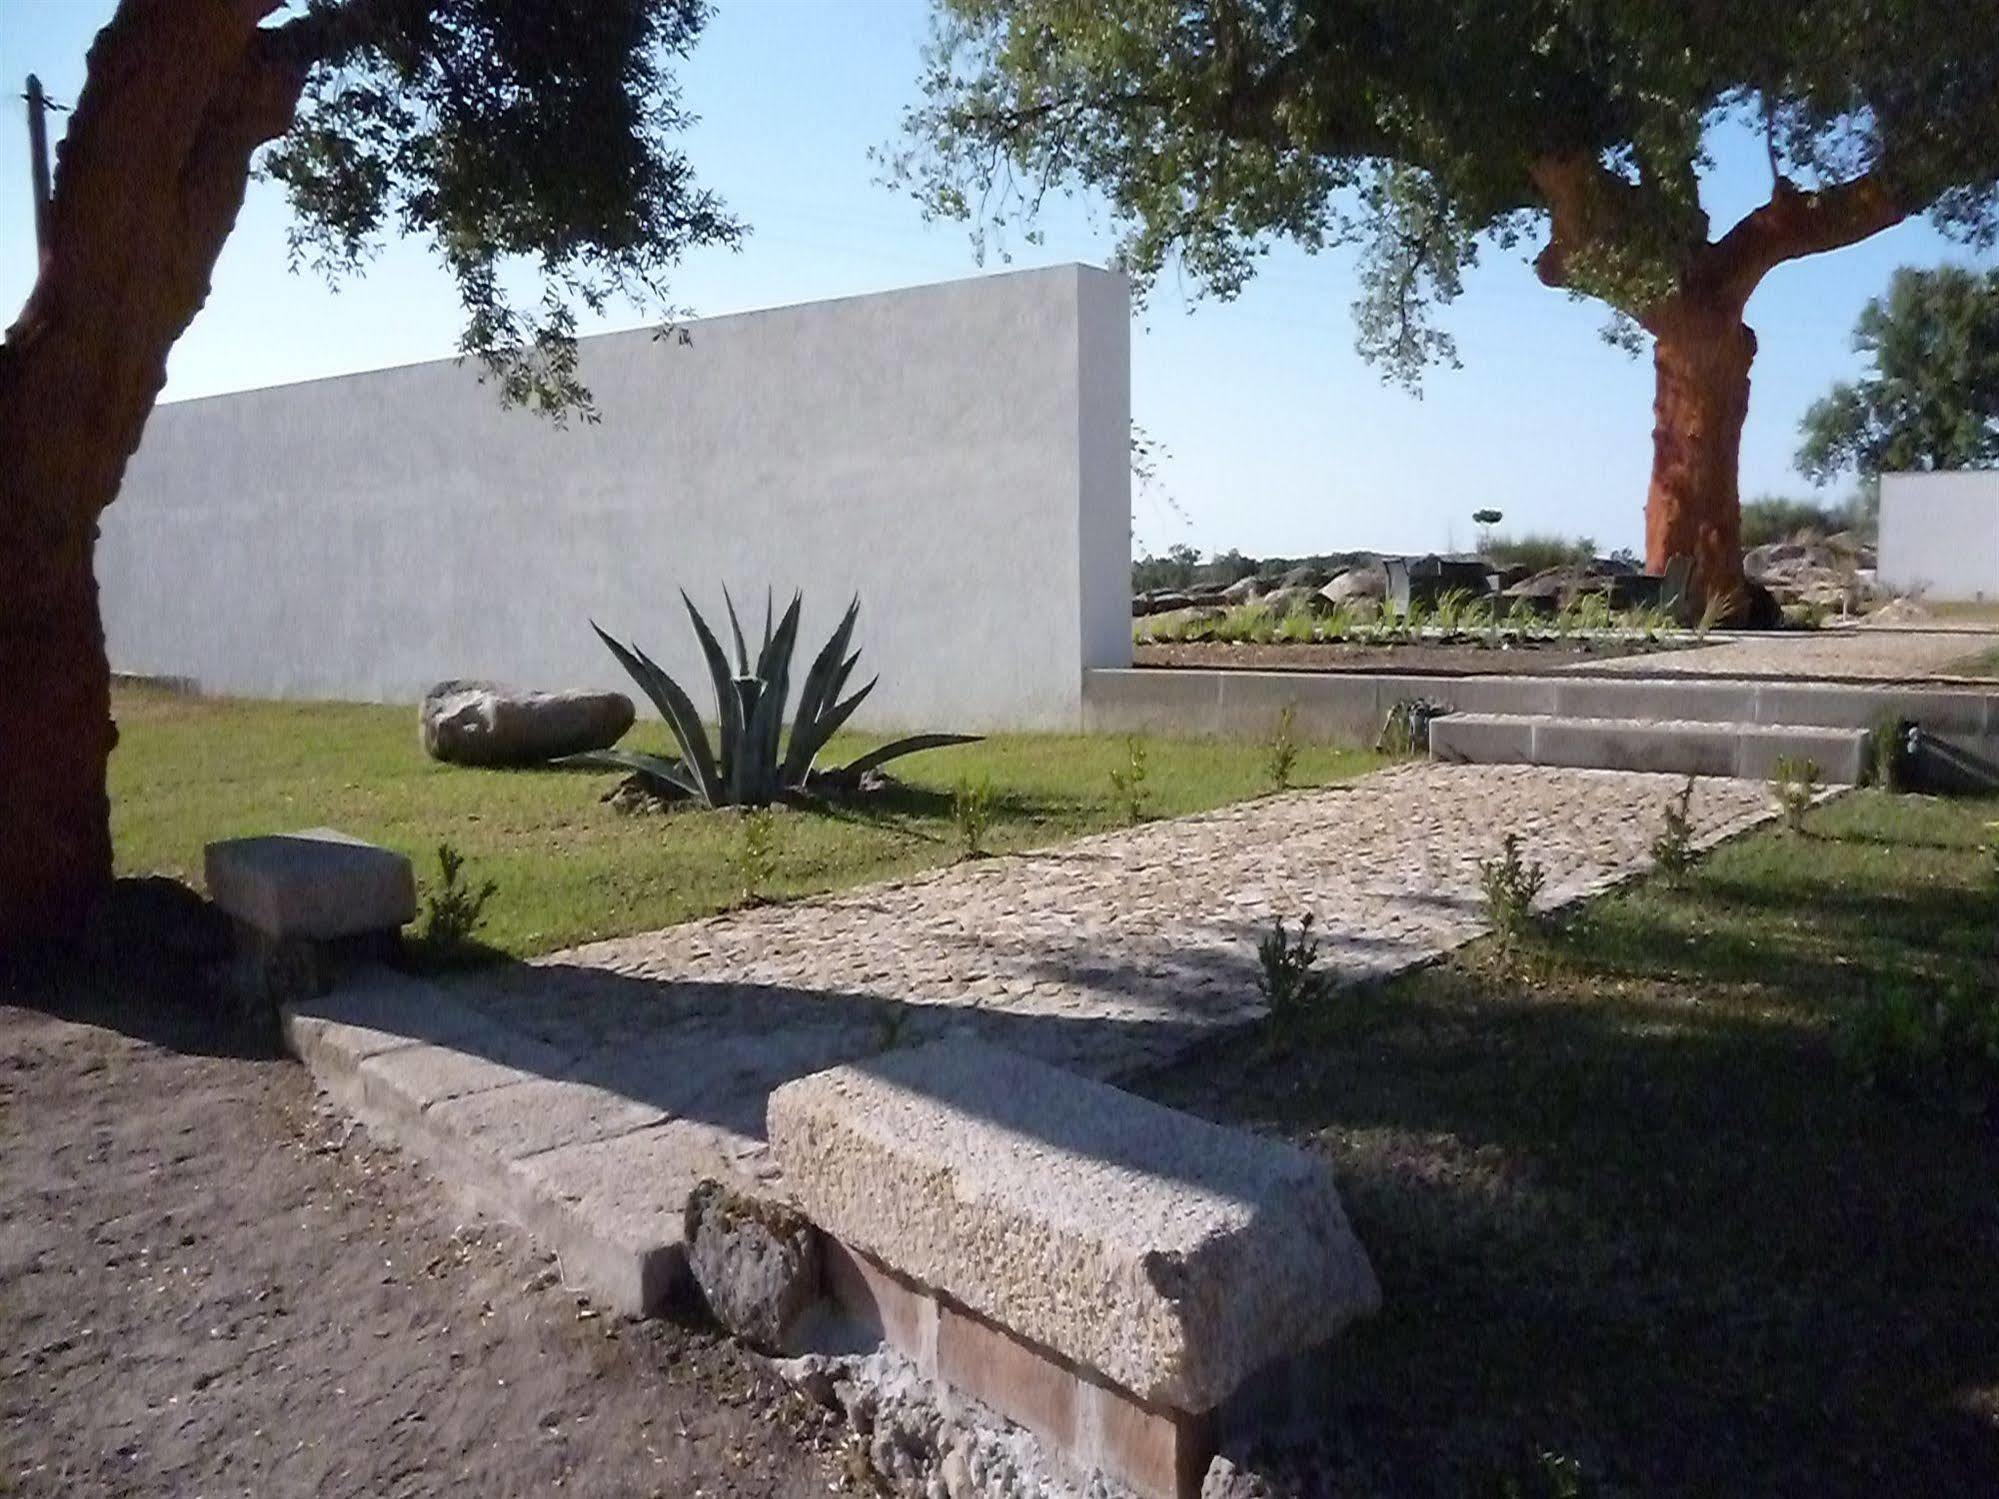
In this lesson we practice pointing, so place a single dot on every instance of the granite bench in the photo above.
(1126, 1281)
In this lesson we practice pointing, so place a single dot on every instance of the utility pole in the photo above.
(38, 152)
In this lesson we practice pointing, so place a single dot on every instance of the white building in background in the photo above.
(1940, 534)
(956, 455)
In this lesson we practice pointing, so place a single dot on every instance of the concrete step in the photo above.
(1677, 747)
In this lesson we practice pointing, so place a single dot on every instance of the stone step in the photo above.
(1745, 750)
(520, 1130)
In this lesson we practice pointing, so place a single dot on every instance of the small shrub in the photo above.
(455, 909)
(1792, 789)
(1673, 849)
(1593, 613)
(1280, 751)
(1933, 1045)
(1536, 552)
(1337, 622)
(1719, 605)
(1510, 885)
(972, 805)
(1452, 612)
(1288, 974)
(755, 855)
(1128, 781)
(1522, 619)
(1406, 730)
(1891, 753)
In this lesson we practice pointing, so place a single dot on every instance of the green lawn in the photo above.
(569, 868)
(1634, 1221)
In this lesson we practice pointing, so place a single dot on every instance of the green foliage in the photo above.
(454, 909)
(1174, 570)
(754, 763)
(1424, 136)
(1930, 1044)
(1510, 885)
(514, 134)
(754, 856)
(1538, 552)
(1794, 785)
(1718, 605)
(972, 804)
(1128, 782)
(1288, 973)
(1891, 753)
(1930, 399)
(1673, 849)
(1770, 517)
(1406, 729)
(1280, 750)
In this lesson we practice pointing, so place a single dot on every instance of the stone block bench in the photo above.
(1126, 1281)
(301, 901)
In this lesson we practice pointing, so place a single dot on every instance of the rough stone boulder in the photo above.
(1366, 582)
(1243, 590)
(1170, 1255)
(756, 1262)
(483, 723)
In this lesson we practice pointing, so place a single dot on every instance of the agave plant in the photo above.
(754, 761)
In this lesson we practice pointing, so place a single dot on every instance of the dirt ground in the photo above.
(210, 1284)
(1352, 656)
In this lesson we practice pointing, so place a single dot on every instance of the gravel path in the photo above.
(1104, 955)
(210, 1286)
(1861, 652)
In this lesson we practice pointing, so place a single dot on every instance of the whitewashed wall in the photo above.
(957, 454)
(1940, 534)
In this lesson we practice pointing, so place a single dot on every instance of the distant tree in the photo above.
(526, 139)
(1426, 129)
(1930, 398)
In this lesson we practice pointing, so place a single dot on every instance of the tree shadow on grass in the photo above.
(1672, 1244)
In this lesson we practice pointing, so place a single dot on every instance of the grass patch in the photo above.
(1984, 664)
(568, 868)
(1629, 1208)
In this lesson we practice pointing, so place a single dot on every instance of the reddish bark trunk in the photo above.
(149, 180)
(1701, 357)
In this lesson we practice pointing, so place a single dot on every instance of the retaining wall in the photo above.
(956, 454)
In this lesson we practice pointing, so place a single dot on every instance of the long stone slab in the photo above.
(1170, 1255)
(1745, 750)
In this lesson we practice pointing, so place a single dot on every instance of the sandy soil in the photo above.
(209, 1284)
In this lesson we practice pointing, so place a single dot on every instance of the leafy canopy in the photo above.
(528, 140)
(1931, 397)
(1424, 130)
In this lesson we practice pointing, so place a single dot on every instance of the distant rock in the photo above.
(484, 723)
(1367, 582)
(1243, 590)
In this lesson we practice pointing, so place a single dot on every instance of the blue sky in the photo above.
(1281, 439)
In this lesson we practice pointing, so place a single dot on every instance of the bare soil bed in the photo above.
(1355, 656)
(211, 1285)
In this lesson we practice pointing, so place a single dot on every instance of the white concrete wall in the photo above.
(957, 454)
(1940, 534)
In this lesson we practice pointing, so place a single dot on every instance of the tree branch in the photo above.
(1796, 223)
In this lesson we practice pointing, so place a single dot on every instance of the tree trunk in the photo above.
(150, 177)
(1701, 355)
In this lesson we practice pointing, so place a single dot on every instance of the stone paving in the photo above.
(1883, 653)
(584, 1094)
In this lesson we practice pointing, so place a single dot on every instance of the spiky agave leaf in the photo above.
(677, 708)
(822, 687)
(895, 749)
(729, 707)
(766, 725)
(673, 773)
(828, 723)
(736, 631)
